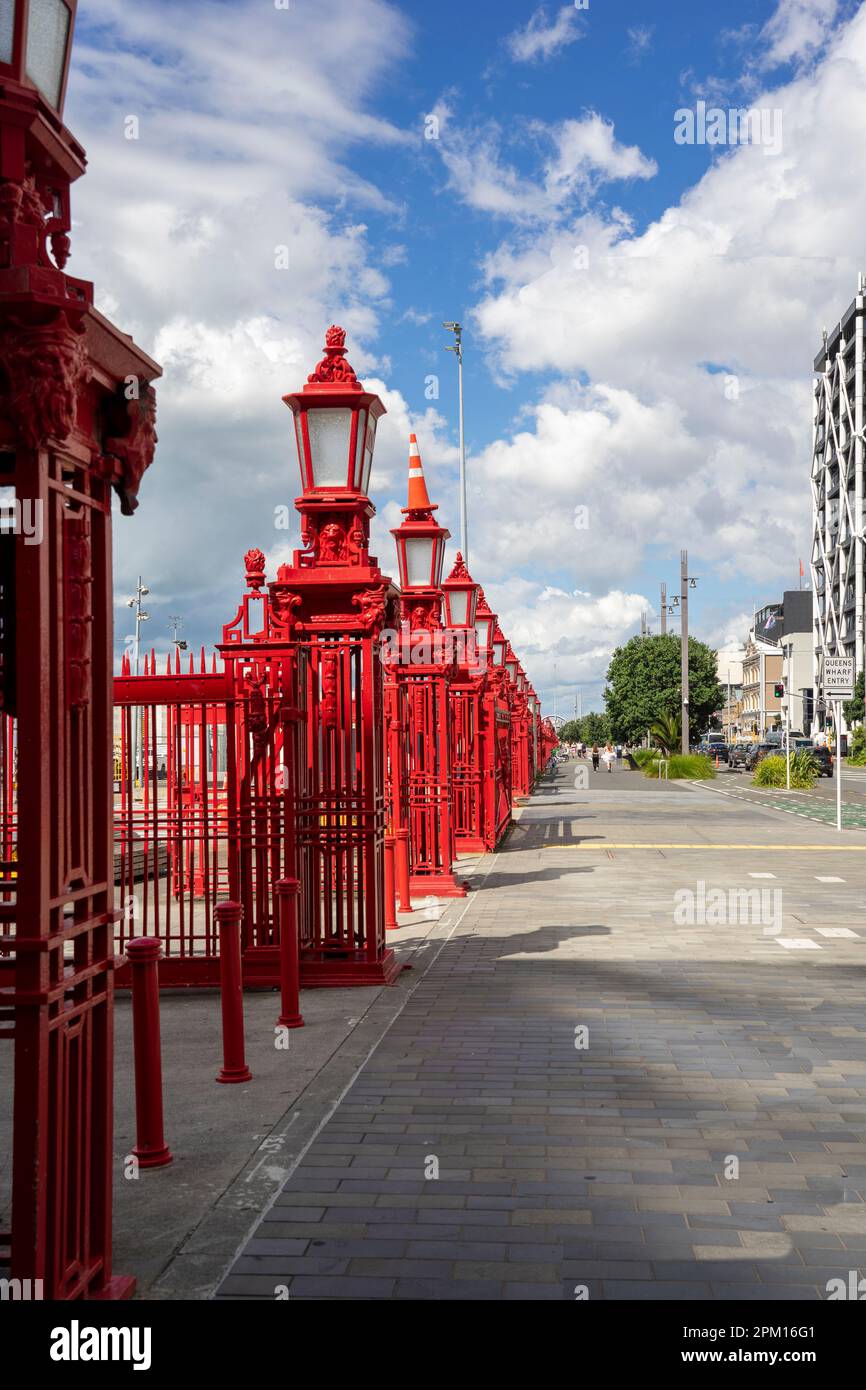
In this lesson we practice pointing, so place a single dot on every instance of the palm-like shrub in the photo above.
(771, 772)
(666, 732)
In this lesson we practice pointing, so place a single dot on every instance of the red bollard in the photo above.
(234, 1067)
(402, 857)
(151, 1150)
(290, 969)
(390, 902)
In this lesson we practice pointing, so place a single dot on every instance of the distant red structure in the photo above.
(77, 419)
(425, 666)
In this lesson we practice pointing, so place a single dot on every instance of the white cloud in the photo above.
(693, 338)
(226, 238)
(797, 30)
(542, 38)
(575, 158)
(640, 37)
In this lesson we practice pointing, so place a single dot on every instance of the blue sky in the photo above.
(640, 315)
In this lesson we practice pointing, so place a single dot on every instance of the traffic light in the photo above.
(779, 690)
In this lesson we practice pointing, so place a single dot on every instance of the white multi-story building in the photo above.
(837, 490)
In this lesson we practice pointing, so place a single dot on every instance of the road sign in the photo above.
(838, 681)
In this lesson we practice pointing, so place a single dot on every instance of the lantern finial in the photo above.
(460, 571)
(333, 366)
(418, 499)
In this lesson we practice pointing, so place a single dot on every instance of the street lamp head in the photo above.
(461, 596)
(420, 539)
(485, 624)
(144, 589)
(335, 424)
(693, 583)
(35, 44)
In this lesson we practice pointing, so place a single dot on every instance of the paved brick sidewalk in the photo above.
(604, 1170)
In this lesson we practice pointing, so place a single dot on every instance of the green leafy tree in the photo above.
(595, 728)
(570, 731)
(854, 709)
(643, 683)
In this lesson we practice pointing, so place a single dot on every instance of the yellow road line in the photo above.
(606, 844)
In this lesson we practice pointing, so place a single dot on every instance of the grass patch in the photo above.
(771, 772)
(642, 756)
(692, 766)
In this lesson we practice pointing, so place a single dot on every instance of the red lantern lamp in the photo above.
(461, 596)
(335, 424)
(35, 45)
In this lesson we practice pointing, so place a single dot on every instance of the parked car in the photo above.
(826, 761)
(757, 752)
(714, 747)
(738, 754)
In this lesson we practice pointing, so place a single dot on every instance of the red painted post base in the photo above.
(443, 885)
(234, 1068)
(472, 844)
(391, 923)
(151, 1150)
(348, 968)
(290, 1005)
(120, 1287)
(401, 863)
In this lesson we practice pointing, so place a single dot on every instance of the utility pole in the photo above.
(684, 646)
(664, 610)
(457, 330)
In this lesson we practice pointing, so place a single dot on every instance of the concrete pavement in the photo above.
(635, 1067)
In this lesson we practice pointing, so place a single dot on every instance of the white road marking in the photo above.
(762, 875)
(828, 879)
(837, 931)
(797, 943)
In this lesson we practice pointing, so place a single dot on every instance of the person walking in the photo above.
(608, 756)
(595, 757)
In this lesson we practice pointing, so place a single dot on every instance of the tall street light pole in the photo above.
(684, 647)
(664, 609)
(457, 330)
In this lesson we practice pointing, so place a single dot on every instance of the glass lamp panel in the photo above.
(368, 453)
(359, 450)
(330, 432)
(7, 16)
(482, 633)
(419, 560)
(299, 439)
(458, 607)
(47, 30)
(499, 653)
(472, 604)
(439, 560)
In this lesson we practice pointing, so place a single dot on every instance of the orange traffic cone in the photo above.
(419, 501)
